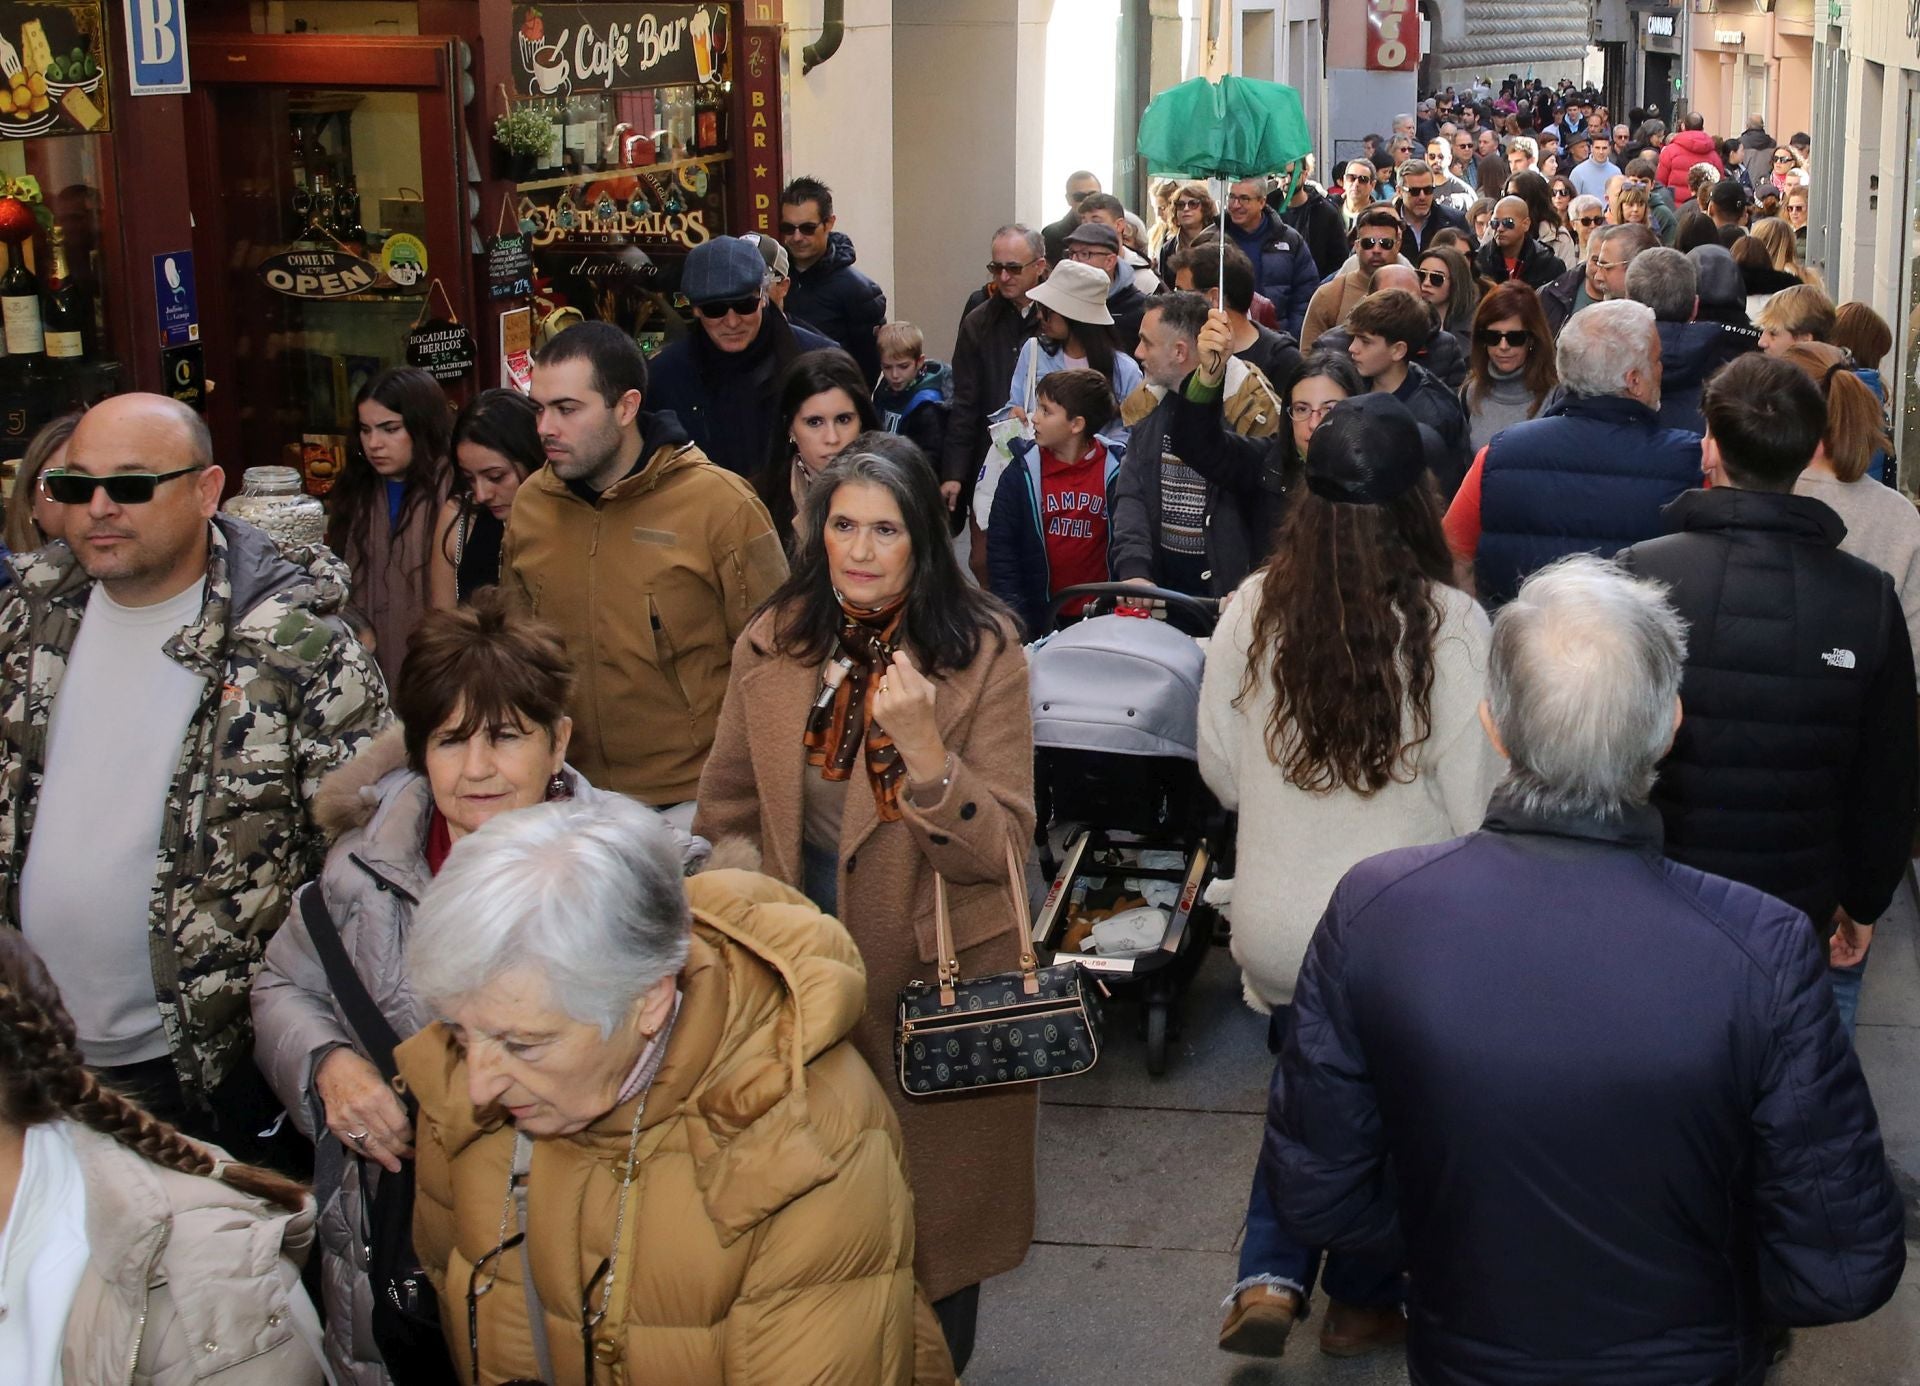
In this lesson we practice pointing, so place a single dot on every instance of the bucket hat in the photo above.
(1076, 292)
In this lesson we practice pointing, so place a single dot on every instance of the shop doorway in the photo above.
(334, 202)
(1659, 84)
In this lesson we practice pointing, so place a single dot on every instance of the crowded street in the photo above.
(894, 693)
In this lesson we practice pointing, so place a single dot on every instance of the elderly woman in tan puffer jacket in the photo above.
(481, 699)
(715, 1187)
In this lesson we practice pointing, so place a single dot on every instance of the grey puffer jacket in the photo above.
(189, 1282)
(377, 811)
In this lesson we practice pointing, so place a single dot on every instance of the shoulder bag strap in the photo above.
(536, 1316)
(949, 958)
(363, 1016)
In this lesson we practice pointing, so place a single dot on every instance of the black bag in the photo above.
(1012, 1027)
(406, 1309)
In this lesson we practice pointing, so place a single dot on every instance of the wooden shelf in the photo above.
(574, 180)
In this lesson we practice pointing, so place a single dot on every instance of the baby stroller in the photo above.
(1116, 702)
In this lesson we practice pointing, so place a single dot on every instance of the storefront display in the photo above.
(636, 103)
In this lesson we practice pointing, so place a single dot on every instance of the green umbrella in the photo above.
(1238, 127)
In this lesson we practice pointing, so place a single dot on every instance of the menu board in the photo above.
(561, 49)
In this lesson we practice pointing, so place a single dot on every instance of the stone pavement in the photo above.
(1143, 1183)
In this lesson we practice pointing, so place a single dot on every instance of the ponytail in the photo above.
(1856, 429)
(42, 1078)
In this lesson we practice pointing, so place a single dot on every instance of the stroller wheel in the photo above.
(1157, 1037)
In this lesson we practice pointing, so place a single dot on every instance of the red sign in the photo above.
(759, 149)
(1393, 36)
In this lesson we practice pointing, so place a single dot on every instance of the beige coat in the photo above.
(768, 1237)
(971, 1157)
(189, 1282)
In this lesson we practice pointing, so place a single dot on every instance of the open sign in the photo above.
(317, 274)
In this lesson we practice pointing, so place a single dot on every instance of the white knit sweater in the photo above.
(1295, 846)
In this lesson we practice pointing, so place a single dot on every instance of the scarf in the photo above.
(841, 718)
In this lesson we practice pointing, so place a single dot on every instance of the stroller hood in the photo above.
(1120, 685)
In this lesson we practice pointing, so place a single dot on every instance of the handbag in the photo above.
(406, 1308)
(996, 1031)
(1001, 434)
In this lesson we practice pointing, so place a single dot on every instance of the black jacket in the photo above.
(1432, 403)
(1320, 225)
(1601, 1104)
(1538, 265)
(839, 301)
(984, 355)
(725, 399)
(1441, 218)
(1690, 352)
(1560, 298)
(1795, 770)
(1055, 235)
(1134, 548)
(1256, 476)
(1275, 353)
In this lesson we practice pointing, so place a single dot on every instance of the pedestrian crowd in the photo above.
(534, 871)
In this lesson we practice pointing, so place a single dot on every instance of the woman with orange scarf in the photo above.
(876, 732)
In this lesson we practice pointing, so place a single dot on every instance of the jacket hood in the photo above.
(348, 795)
(840, 254)
(663, 442)
(1698, 143)
(1692, 351)
(1721, 284)
(769, 985)
(1727, 507)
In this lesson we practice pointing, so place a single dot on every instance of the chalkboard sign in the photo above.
(562, 49)
(509, 267)
(443, 349)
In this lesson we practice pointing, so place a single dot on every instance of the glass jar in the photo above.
(274, 499)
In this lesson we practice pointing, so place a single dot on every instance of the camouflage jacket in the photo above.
(289, 695)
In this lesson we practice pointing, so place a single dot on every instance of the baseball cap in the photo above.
(1368, 452)
(725, 267)
(772, 252)
(1094, 233)
(1728, 196)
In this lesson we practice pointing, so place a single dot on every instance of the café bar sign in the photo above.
(561, 49)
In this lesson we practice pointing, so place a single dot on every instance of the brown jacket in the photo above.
(1331, 303)
(649, 587)
(971, 1157)
(769, 1239)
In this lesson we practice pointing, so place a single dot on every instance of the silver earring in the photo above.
(557, 786)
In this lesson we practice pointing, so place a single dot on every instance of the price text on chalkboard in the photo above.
(443, 349)
(509, 267)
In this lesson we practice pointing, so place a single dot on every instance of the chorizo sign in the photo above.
(1393, 36)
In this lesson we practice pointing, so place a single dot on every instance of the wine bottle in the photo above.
(65, 313)
(20, 309)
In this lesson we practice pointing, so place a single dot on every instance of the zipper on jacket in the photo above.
(139, 1334)
(1032, 1010)
(383, 882)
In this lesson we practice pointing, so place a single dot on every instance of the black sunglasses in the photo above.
(799, 228)
(1437, 278)
(1504, 223)
(1591, 221)
(1006, 266)
(122, 488)
(1188, 202)
(740, 307)
(1488, 337)
(1427, 191)
(1378, 242)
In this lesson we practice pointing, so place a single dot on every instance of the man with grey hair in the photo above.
(1599, 277)
(1690, 350)
(1600, 1101)
(1591, 474)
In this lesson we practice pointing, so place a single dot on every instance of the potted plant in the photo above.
(523, 131)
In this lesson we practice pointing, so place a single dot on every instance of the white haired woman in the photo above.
(482, 700)
(668, 1062)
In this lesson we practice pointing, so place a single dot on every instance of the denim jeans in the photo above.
(1846, 982)
(1268, 1256)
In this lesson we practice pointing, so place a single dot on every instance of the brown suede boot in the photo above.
(1259, 1321)
(1350, 1331)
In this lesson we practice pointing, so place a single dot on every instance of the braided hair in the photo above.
(42, 1078)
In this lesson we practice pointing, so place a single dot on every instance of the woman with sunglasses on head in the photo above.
(33, 520)
(1447, 283)
(1339, 718)
(823, 405)
(876, 740)
(1196, 216)
(384, 511)
(132, 1254)
(496, 446)
(1510, 368)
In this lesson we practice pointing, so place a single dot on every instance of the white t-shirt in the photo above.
(43, 1254)
(113, 744)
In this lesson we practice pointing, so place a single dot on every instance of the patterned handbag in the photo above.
(1012, 1027)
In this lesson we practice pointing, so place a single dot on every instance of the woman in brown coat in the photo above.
(876, 731)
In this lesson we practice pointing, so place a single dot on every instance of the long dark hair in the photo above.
(1096, 342)
(946, 616)
(808, 374)
(1537, 193)
(1513, 299)
(1345, 631)
(43, 1078)
(360, 494)
(502, 421)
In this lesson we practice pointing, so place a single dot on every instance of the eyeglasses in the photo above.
(489, 1265)
(799, 228)
(1590, 221)
(122, 488)
(1244, 199)
(1488, 337)
(1302, 411)
(1185, 202)
(1605, 266)
(1359, 177)
(1504, 223)
(1437, 278)
(1378, 242)
(739, 307)
(1083, 251)
(999, 267)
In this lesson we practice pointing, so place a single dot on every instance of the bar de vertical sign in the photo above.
(157, 47)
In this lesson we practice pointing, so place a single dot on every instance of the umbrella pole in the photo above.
(1221, 282)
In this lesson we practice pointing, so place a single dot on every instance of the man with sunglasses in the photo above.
(826, 291)
(1449, 190)
(1511, 252)
(1356, 183)
(1377, 238)
(719, 380)
(1422, 211)
(176, 688)
(1080, 186)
